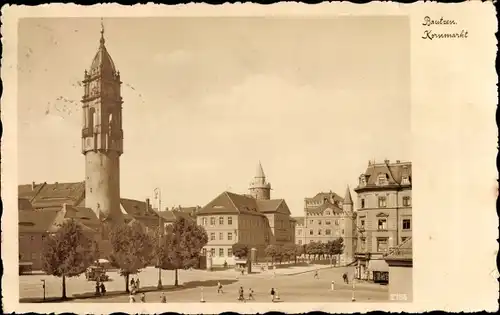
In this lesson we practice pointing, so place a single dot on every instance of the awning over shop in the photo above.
(378, 265)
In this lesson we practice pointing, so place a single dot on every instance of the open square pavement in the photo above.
(296, 284)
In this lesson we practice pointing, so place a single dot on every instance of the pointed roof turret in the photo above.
(348, 198)
(260, 171)
(102, 61)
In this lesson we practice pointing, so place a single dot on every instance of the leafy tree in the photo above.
(299, 250)
(240, 250)
(181, 246)
(68, 252)
(334, 247)
(314, 249)
(289, 251)
(273, 251)
(131, 249)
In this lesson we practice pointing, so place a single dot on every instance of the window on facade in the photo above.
(300, 242)
(311, 232)
(310, 241)
(406, 224)
(299, 232)
(328, 222)
(319, 222)
(382, 244)
(221, 220)
(229, 220)
(204, 222)
(336, 222)
(342, 231)
(382, 202)
(212, 251)
(362, 203)
(327, 212)
(382, 224)
(406, 201)
(204, 251)
(229, 236)
(328, 232)
(221, 236)
(212, 220)
(229, 252)
(319, 232)
(212, 236)
(404, 238)
(362, 223)
(363, 244)
(221, 252)
(311, 221)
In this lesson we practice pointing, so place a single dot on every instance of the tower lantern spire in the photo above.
(102, 41)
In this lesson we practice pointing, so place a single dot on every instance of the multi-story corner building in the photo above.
(327, 217)
(254, 220)
(384, 217)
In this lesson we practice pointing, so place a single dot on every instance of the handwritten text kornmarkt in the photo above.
(435, 29)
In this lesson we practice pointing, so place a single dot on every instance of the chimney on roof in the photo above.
(398, 161)
(33, 184)
(147, 206)
(386, 161)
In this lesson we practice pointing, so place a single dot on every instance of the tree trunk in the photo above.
(176, 283)
(64, 287)
(127, 276)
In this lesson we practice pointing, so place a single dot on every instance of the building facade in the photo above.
(328, 217)
(384, 219)
(254, 220)
(400, 261)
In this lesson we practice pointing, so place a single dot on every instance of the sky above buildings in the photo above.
(206, 98)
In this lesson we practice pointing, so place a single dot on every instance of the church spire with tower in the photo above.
(347, 204)
(259, 187)
(102, 134)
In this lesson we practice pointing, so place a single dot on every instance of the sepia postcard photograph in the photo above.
(247, 160)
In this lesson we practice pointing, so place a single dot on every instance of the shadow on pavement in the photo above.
(109, 294)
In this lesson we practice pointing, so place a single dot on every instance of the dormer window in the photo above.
(362, 180)
(382, 179)
(405, 180)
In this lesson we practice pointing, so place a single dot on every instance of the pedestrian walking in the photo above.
(250, 294)
(163, 298)
(316, 274)
(272, 294)
(219, 287)
(241, 297)
(131, 298)
(97, 293)
(103, 288)
(137, 285)
(143, 298)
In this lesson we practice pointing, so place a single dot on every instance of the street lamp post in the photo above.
(43, 286)
(158, 196)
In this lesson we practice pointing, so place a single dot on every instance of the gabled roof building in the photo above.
(254, 219)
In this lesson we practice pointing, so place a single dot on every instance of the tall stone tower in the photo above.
(259, 187)
(349, 226)
(102, 135)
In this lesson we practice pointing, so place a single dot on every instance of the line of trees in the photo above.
(319, 250)
(70, 251)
